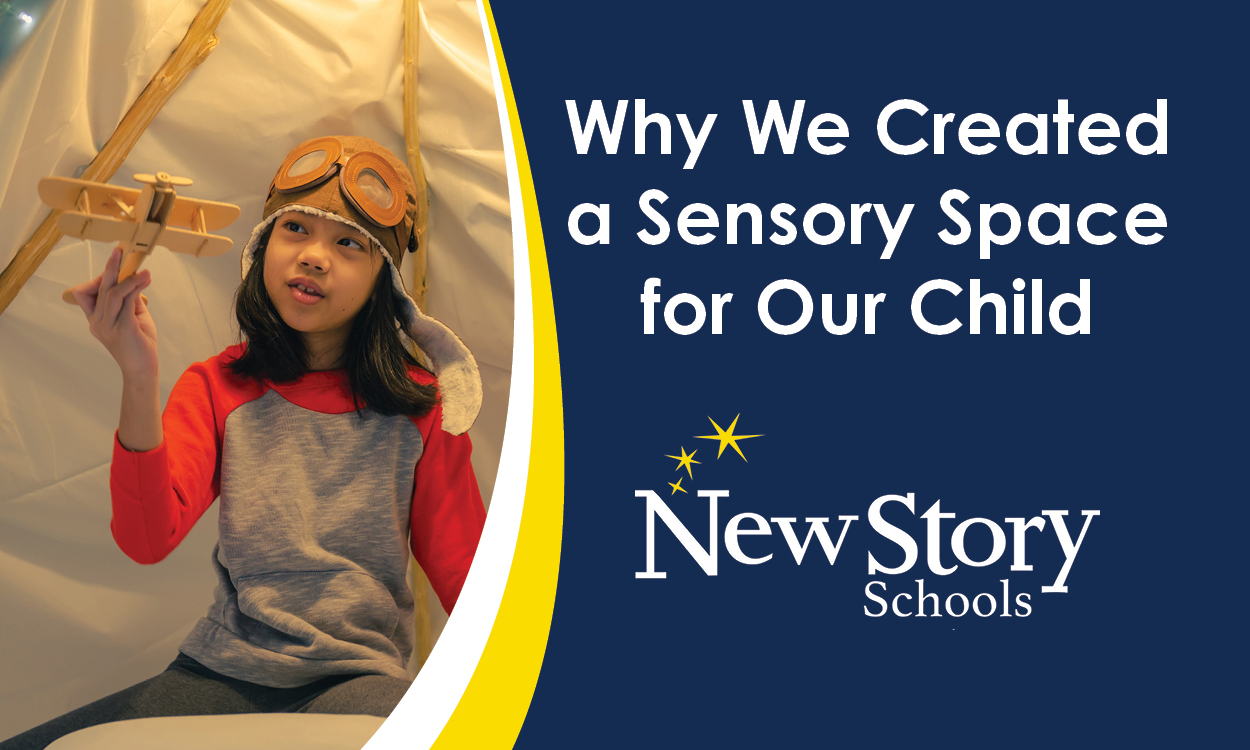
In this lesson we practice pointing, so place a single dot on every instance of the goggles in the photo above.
(366, 179)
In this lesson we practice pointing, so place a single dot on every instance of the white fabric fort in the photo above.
(78, 620)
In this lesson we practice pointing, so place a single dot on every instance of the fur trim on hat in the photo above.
(459, 383)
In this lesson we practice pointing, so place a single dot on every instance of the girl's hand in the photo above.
(119, 318)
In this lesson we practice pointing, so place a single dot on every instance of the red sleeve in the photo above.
(158, 495)
(447, 513)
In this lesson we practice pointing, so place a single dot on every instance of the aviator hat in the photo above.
(357, 181)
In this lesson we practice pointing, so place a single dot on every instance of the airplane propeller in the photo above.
(162, 178)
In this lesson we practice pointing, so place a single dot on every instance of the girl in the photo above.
(332, 450)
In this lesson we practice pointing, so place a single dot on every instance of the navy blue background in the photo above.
(1141, 420)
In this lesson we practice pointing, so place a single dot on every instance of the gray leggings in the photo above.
(188, 688)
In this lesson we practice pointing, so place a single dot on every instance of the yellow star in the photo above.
(684, 460)
(727, 437)
(677, 487)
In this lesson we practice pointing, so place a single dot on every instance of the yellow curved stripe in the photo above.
(494, 704)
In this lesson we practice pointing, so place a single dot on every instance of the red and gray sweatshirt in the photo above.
(318, 511)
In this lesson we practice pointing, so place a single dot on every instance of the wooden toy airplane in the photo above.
(138, 220)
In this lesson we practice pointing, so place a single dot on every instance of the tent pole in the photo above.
(412, 27)
(195, 47)
(412, 14)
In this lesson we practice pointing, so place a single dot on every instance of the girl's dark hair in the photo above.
(375, 355)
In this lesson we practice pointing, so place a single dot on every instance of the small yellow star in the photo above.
(727, 437)
(684, 460)
(677, 487)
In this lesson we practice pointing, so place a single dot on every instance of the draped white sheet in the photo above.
(78, 619)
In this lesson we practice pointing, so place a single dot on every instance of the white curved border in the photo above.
(434, 695)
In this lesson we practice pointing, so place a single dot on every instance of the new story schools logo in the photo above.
(956, 604)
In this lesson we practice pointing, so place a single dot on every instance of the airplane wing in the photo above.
(194, 243)
(95, 227)
(63, 193)
(216, 215)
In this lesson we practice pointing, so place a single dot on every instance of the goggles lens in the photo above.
(374, 188)
(307, 163)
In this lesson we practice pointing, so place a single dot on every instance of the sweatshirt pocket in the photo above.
(327, 614)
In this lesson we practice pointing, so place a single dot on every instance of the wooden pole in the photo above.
(195, 47)
(412, 15)
(412, 27)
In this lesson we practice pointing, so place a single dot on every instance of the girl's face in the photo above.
(319, 273)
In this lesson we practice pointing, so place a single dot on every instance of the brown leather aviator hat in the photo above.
(359, 182)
